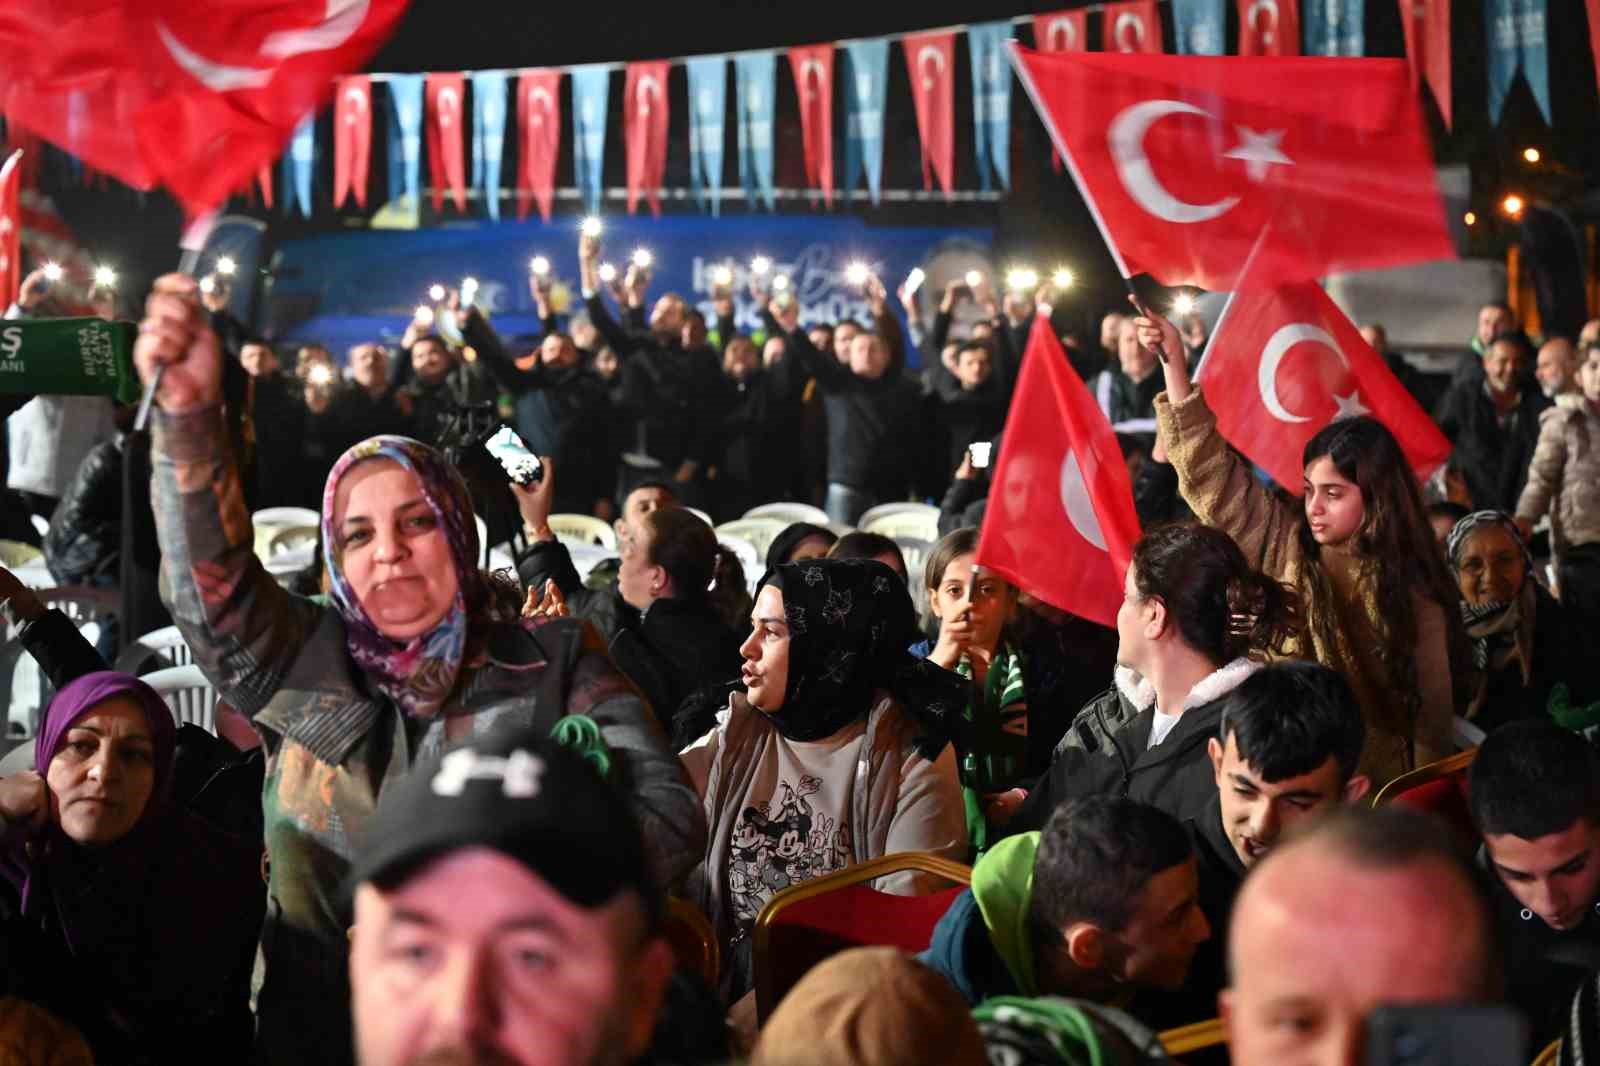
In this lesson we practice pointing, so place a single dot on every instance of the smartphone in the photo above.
(979, 450)
(515, 457)
(1446, 1035)
(914, 280)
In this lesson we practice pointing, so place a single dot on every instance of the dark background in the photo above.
(1042, 220)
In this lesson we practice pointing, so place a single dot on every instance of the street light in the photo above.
(1512, 206)
(1532, 155)
(1470, 218)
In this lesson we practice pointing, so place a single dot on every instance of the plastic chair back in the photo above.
(573, 529)
(585, 557)
(921, 525)
(758, 531)
(188, 693)
(753, 562)
(291, 537)
(915, 551)
(902, 507)
(166, 643)
(789, 512)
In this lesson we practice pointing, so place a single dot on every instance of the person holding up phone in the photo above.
(971, 400)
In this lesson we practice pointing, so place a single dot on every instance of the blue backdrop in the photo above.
(345, 289)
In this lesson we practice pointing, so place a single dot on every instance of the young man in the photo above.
(1099, 905)
(1364, 909)
(1535, 796)
(504, 912)
(971, 399)
(1286, 752)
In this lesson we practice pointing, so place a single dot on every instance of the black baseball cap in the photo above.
(521, 793)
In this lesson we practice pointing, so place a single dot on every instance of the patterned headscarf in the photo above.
(1500, 632)
(850, 625)
(419, 674)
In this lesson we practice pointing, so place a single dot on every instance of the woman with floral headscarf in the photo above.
(1529, 658)
(414, 648)
(123, 914)
(837, 751)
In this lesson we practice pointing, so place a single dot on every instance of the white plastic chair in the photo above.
(41, 523)
(500, 559)
(166, 642)
(754, 562)
(1465, 734)
(291, 537)
(573, 529)
(915, 552)
(790, 512)
(81, 603)
(284, 565)
(585, 557)
(283, 517)
(918, 525)
(14, 555)
(884, 510)
(758, 531)
(188, 693)
(483, 540)
(702, 516)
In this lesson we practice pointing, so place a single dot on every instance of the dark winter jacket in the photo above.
(1492, 455)
(84, 544)
(675, 648)
(602, 607)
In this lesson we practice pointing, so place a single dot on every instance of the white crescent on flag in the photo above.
(929, 52)
(341, 20)
(1278, 346)
(648, 86)
(808, 68)
(1075, 501)
(355, 100)
(1064, 28)
(542, 102)
(1124, 21)
(449, 106)
(1266, 31)
(1126, 137)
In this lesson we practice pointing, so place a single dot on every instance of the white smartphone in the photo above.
(979, 450)
(515, 457)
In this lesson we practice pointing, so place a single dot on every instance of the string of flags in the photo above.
(437, 112)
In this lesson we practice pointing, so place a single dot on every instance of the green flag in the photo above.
(68, 357)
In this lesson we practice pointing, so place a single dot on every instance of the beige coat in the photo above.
(1564, 477)
(1222, 492)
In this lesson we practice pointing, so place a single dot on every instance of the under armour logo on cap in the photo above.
(517, 773)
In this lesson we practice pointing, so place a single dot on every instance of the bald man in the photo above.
(1557, 367)
(1367, 908)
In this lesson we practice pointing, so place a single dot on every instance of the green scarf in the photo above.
(997, 757)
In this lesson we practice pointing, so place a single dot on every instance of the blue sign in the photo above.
(405, 135)
(591, 87)
(708, 103)
(1518, 38)
(364, 286)
(865, 91)
(758, 85)
(1199, 25)
(991, 99)
(488, 135)
(1334, 27)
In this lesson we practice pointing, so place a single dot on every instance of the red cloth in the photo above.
(1184, 161)
(1061, 31)
(1284, 362)
(160, 92)
(1132, 27)
(539, 118)
(264, 183)
(1060, 523)
(352, 140)
(930, 62)
(10, 229)
(644, 131)
(813, 87)
(1427, 26)
(446, 95)
(1269, 27)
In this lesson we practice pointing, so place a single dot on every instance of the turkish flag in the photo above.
(1060, 524)
(10, 229)
(539, 118)
(1061, 31)
(1269, 27)
(1132, 27)
(813, 86)
(1284, 362)
(352, 140)
(445, 93)
(1185, 160)
(930, 62)
(1427, 26)
(162, 92)
(644, 131)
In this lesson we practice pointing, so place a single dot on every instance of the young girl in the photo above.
(972, 609)
(1379, 605)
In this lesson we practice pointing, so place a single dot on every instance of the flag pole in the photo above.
(192, 243)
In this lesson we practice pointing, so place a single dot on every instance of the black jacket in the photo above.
(1493, 457)
(968, 416)
(675, 648)
(1221, 875)
(84, 544)
(1543, 966)
(602, 607)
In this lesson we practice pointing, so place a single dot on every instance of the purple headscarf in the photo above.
(73, 703)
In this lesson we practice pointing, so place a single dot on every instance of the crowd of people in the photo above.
(449, 812)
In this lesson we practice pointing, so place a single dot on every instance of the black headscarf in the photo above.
(850, 625)
(785, 542)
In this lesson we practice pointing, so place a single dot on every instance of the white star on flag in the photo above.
(1350, 406)
(1259, 151)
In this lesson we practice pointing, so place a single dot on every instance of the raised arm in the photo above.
(809, 362)
(48, 635)
(244, 630)
(485, 340)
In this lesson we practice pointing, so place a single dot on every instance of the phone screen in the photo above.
(980, 451)
(515, 457)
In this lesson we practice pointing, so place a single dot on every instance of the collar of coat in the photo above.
(1215, 685)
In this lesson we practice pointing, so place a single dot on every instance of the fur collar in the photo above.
(1139, 692)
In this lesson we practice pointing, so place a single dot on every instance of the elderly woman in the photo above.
(124, 915)
(414, 648)
(835, 751)
(1524, 645)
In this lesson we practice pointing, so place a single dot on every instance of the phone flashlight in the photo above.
(436, 293)
(608, 273)
(226, 266)
(642, 259)
(424, 314)
(52, 272)
(780, 283)
(722, 276)
(974, 279)
(591, 226)
(105, 277)
(1183, 305)
(1063, 278)
(856, 274)
(760, 265)
(540, 266)
(1022, 279)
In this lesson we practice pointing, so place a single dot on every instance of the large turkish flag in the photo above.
(1427, 26)
(813, 87)
(168, 92)
(1186, 160)
(1060, 523)
(930, 62)
(644, 131)
(1269, 27)
(10, 229)
(446, 104)
(352, 140)
(539, 118)
(1132, 26)
(1284, 362)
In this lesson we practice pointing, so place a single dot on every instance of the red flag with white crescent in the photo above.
(1184, 160)
(1285, 361)
(644, 131)
(1427, 26)
(1269, 27)
(930, 63)
(10, 228)
(1061, 31)
(539, 119)
(1132, 27)
(161, 92)
(812, 67)
(1060, 524)
(446, 104)
(352, 139)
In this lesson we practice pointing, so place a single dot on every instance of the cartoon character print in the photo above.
(771, 850)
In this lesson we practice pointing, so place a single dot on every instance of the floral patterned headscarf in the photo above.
(419, 674)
